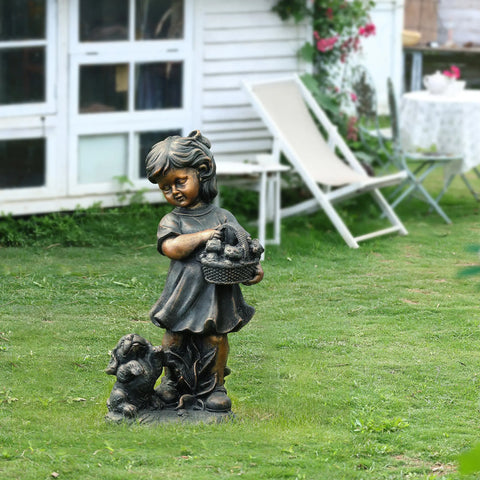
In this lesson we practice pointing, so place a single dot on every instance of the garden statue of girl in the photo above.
(197, 315)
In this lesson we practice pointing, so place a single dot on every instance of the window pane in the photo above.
(22, 75)
(158, 85)
(103, 88)
(103, 20)
(22, 19)
(158, 19)
(22, 163)
(146, 140)
(101, 157)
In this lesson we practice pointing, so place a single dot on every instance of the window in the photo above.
(158, 85)
(135, 85)
(22, 75)
(158, 20)
(27, 103)
(22, 163)
(129, 64)
(103, 21)
(23, 52)
(109, 20)
(102, 157)
(22, 20)
(103, 88)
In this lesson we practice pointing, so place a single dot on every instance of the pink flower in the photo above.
(454, 72)
(326, 44)
(353, 97)
(367, 30)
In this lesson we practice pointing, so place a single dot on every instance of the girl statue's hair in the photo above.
(178, 152)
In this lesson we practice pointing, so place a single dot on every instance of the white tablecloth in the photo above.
(451, 123)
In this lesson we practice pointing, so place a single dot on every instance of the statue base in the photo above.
(166, 415)
(193, 396)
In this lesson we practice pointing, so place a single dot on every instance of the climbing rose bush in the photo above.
(339, 27)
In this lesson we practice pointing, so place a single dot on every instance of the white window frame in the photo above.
(50, 43)
(129, 122)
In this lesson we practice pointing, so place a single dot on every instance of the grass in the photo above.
(358, 363)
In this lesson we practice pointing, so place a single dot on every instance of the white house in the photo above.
(87, 86)
(383, 53)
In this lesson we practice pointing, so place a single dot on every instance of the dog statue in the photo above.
(137, 365)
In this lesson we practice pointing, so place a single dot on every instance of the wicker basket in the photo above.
(223, 271)
(410, 38)
(229, 274)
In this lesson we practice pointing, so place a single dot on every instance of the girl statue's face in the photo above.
(181, 187)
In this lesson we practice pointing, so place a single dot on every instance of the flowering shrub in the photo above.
(338, 29)
(454, 72)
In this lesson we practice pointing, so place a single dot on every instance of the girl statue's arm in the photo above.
(182, 246)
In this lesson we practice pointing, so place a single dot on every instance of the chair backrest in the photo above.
(392, 104)
(282, 106)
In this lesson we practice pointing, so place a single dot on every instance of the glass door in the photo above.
(27, 106)
(129, 65)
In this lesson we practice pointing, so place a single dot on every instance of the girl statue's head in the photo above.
(184, 152)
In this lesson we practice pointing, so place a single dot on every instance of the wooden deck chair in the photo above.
(284, 107)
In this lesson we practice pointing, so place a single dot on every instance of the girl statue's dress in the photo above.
(189, 304)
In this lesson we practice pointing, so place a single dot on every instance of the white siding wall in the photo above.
(239, 39)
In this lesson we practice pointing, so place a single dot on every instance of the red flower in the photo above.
(326, 44)
(454, 72)
(329, 13)
(367, 30)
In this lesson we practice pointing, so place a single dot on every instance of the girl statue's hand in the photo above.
(257, 278)
(213, 233)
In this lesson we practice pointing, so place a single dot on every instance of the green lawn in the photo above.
(359, 364)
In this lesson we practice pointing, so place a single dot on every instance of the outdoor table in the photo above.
(447, 123)
(266, 176)
(422, 59)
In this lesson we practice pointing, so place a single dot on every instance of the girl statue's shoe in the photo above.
(218, 401)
